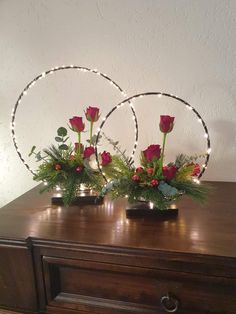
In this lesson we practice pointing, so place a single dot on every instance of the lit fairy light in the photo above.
(151, 205)
(158, 94)
(42, 76)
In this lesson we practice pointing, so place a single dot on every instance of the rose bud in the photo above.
(166, 124)
(150, 171)
(154, 182)
(151, 152)
(89, 151)
(139, 169)
(57, 167)
(196, 170)
(169, 172)
(92, 114)
(77, 147)
(77, 124)
(78, 169)
(106, 158)
(136, 178)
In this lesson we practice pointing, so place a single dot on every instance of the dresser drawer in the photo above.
(96, 287)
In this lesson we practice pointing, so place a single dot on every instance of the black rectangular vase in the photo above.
(144, 209)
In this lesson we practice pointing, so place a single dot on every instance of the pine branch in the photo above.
(182, 159)
(117, 149)
(198, 192)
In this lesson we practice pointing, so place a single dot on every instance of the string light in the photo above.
(158, 94)
(43, 75)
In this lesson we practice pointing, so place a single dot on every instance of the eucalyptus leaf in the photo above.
(32, 150)
(58, 139)
(63, 147)
(38, 156)
(94, 137)
(62, 131)
(167, 190)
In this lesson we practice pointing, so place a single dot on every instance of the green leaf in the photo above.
(62, 131)
(167, 190)
(32, 150)
(63, 147)
(58, 139)
(38, 156)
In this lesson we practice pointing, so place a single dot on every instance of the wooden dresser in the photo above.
(91, 259)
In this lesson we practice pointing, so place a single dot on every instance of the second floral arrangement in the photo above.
(153, 181)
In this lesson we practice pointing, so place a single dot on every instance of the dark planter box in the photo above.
(142, 209)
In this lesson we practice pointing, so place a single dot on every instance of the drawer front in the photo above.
(95, 287)
(17, 285)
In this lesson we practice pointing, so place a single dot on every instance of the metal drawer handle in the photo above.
(169, 303)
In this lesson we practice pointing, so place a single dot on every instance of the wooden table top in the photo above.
(208, 229)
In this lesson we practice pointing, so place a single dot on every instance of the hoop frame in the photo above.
(52, 71)
(159, 94)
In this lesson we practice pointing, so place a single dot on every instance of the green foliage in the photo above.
(32, 151)
(162, 195)
(58, 139)
(117, 148)
(67, 177)
(198, 192)
(167, 190)
(183, 160)
(62, 132)
(184, 173)
(93, 140)
(63, 147)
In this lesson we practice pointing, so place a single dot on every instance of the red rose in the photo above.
(169, 172)
(196, 170)
(139, 169)
(92, 114)
(150, 171)
(89, 151)
(154, 182)
(78, 169)
(57, 167)
(136, 177)
(166, 124)
(151, 152)
(77, 147)
(106, 158)
(77, 124)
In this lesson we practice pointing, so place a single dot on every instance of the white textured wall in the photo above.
(180, 46)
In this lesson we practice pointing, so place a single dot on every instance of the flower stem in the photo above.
(91, 132)
(79, 140)
(163, 151)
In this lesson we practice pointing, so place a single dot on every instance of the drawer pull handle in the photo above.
(169, 303)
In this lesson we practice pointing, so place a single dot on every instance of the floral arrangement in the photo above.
(153, 181)
(70, 165)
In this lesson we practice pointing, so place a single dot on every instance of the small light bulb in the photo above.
(151, 205)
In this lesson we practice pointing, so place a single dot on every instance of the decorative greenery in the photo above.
(68, 166)
(153, 181)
